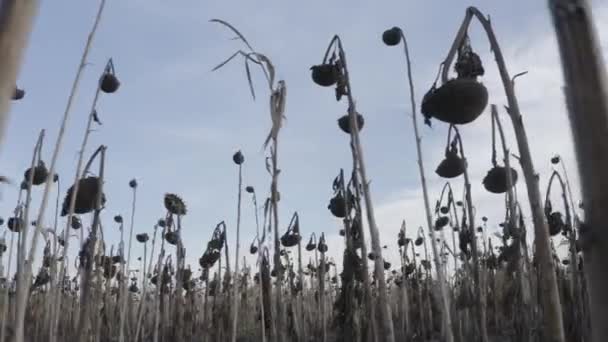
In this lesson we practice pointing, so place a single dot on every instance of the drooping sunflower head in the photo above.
(175, 205)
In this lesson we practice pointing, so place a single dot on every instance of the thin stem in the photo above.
(447, 321)
(235, 294)
(125, 293)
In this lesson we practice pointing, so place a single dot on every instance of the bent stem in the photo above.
(553, 330)
(586, 92)
(386, 332)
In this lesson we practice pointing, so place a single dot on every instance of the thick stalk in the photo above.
(586, 91)
(553, 330)
(16, 23)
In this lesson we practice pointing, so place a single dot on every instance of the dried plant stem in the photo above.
(386, 319)
(21, 301)
(5, 297)
(369, 328)
(553, 330)
(586, 94)
(235, 294)
(89, 259)
(405, 305)
(22, 263)
(480, 293)
(16, 22)
(159, 285)
(511, 204)
(445, 299)
(125, 281)
(321, 273)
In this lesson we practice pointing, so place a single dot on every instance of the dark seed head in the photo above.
(133, 183)
(118, 219)
(392, 36)
(171, 238)
(325, 75)
(555, 160)
(344, 123)
(143, 237)
(496, 179)
(444, 210)
(441, 222)
(250, 189)
(86, 199)
(18, 94)
(238, 158)
(175, 205)
(14, 224)
(109, 83)
(75, 223)
(40, 174)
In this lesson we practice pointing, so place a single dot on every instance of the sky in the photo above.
(174, 123)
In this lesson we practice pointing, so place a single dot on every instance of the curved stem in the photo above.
(553, 329)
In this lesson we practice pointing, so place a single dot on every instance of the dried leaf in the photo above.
(234, 30)
(227, 60)
(249, 78)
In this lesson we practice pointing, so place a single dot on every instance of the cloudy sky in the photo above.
(174, 124)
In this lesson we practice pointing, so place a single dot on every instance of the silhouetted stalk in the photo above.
(369, 327)
(552, 318)
(5, 296)
(445, 299)
(89, 255)
(586, 91)
(524, 316)
(386, 330)
(405, 305)
(321, 273)
(124, 289)
(16, 23)
(235, 294)
(480, 297)
(159, 285)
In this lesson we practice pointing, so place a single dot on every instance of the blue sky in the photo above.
(174, 124)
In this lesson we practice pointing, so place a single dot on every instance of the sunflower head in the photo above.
(175, 205)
